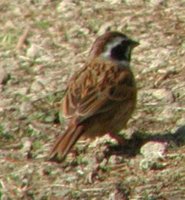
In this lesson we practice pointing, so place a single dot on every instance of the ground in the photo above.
(42, 42)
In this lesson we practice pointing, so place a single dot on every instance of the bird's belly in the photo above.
(109, 122)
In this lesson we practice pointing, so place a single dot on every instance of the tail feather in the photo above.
(65, 142)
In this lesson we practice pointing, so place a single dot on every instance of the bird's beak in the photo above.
(134, 43)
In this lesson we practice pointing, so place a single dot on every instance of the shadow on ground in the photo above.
(132, 146)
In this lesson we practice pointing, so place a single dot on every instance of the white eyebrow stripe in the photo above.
(106, 54)
(110, 46)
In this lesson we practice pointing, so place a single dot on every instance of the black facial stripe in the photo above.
(121, 52)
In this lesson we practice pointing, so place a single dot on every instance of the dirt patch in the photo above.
(41, 44)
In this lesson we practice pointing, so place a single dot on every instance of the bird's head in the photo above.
(113, 46)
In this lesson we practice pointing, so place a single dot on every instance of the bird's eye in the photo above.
(122, 43)
(125, 43)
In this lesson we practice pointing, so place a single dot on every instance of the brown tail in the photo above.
(65, 142)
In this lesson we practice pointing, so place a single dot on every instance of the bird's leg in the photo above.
(118, 138)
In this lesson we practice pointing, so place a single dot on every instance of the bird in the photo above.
(101, 96)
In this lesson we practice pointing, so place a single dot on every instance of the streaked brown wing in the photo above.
(95, 89)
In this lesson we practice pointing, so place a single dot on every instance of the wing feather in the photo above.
(91, 92)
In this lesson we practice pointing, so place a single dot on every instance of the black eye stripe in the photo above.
(122, 51)
(119, 52)
(125, 42)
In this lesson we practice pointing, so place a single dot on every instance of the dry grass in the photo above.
(41, 43)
